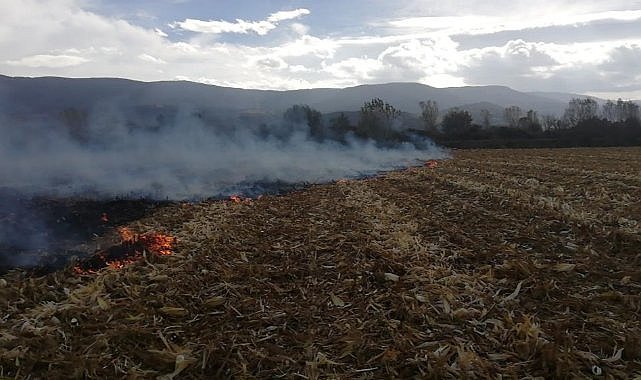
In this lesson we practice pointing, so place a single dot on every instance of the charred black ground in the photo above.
(42, 234)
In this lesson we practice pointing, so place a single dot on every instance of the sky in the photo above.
(587, 46)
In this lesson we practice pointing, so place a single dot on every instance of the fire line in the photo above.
(130, 250)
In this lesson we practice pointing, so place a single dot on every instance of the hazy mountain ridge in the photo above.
(51, 94)
(564, 97)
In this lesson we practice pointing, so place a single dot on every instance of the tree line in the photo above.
(583, 123)
(377, 120)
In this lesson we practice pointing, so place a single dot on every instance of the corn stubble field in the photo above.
(520, 263)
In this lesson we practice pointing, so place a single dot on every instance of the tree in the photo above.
(609, 110)
(304, 114)
(380, 108)
(377, 118)
(530, 122)
(579, 110)
(485, 116)
(626, 110)
(619, 111)
(456, 122)
(429, 114)
(511, 115)
(339, 126)
(550, 122)
(340, 123)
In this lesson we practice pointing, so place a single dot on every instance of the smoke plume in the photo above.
(105, 154)
(50, 164)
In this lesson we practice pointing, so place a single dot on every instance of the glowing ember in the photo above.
(126, 234)
(130, 250)
(238, 199)
(158, 243)
(150, 242)
(119, 264)
(431, 164)
(78, 270)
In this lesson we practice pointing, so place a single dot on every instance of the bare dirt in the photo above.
(520, 263)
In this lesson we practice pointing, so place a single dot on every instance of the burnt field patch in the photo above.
(41, 234)
(513, 262)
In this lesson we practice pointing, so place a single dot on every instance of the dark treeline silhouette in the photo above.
(377, 121)
(584, 123)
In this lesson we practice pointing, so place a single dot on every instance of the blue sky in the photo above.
(587, 46)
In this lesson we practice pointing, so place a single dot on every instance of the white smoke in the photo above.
(186, 159)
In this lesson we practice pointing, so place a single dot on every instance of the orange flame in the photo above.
(152, 241)
(238, 199)
(126, 234)
(129, 251)
(158, 243)
(119, 264)
(78, 270)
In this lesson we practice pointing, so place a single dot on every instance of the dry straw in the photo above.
(523, 263)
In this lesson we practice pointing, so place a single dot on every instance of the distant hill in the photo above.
(475, 109)
(564, 97)
(44, 95)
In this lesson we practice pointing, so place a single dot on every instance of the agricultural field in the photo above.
(520, 263)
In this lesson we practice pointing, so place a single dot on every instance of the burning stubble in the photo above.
(42, 233)
(186, 159)
(132, 248)
(107, 154)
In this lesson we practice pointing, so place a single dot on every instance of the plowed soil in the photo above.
(520, 263)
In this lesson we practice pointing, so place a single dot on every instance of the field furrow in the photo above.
(523, 263)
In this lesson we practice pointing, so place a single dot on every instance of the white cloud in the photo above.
(287, 15)
(48, 60)
(432, 61)
(533, 18)
(358, 69)
(431, 55)
(151, 59)
(444, 22)
(586, 67)
(518, 62)
(271, 63)
(512, 8)
(299, 28)
(307, 45)
(240, 26)
(216, 27)
(60, 37)
(160, 32)
(299, 69)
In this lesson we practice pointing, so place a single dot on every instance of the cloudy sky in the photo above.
(585, 46)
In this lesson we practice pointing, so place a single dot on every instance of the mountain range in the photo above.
(49, 95)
